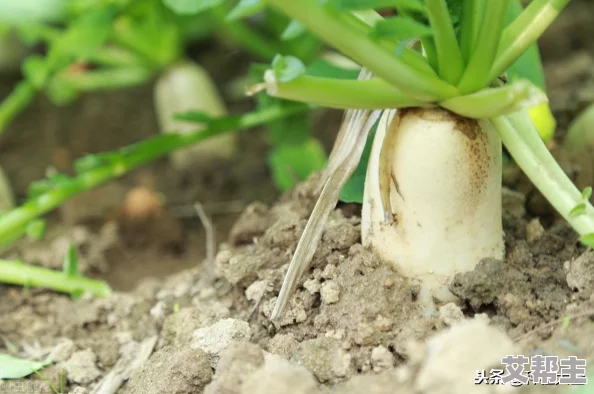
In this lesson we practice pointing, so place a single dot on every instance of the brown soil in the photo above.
(353, 326)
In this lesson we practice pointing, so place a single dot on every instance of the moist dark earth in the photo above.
(353, 326)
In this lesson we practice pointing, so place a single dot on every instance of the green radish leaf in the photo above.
(353, 190)
(61, 92)
(587, 193)
(36, 229)
(70, 267)
(578, 210)
(84, 36)
(18, 368)
(588, 240)
(244, 9)
(188, 7)
(13, 12)
(287, 68)
(400, 28)
(36, 70)
(294, 29)
(455, 9)
(358, 5)
(529, 65)
(294, 163)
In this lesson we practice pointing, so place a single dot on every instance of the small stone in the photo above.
(312, 285)
(381, 359)
(223, 257)
(383, 323)
(330, 292)
(336, 334)
(534, 230)
(81, 367)
(283, 345)
(215, 339)
(325, 357)
(295, 314)
(256, 290)
(330, 271)
(450, 313)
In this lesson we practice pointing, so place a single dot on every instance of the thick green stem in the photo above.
(328, 25)
(16, 102)
(411, 57)
(342, 93)
(431, 52)
(522, 140)
(450, 62)
(470, 26)
(487, 103)
(115, 57)
(245, 37)
(130, 158)
(524, 31)
(106, 79)
(477, 74)
(18, 273)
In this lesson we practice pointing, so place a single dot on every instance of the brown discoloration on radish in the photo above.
(476, 162)
(386, 173)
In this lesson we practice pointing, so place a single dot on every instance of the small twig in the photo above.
(587, 313)
(210, 239)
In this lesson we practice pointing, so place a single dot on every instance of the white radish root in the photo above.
(432, 202)
(186, 86)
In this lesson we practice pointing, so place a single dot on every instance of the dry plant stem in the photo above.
(360, 123)
(126, 366)
(344, 142)
(432, 204)
(210, 239)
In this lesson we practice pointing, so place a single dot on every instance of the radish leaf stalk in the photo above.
(432, 201)
(19, 273)
(94, 170)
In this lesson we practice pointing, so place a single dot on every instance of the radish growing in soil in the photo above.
(432, 198)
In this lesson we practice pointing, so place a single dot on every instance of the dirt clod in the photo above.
(580, 273)
(326, 358)
(81, 367)
(237, 363)
(279, 376)
(215, 339)
(172, 370)
(469, 346)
